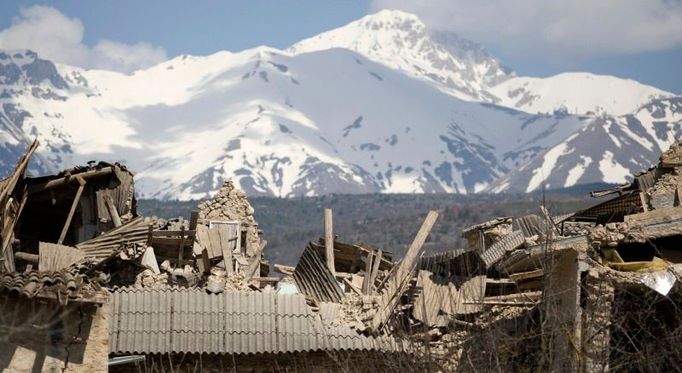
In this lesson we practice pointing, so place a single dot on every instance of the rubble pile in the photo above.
(535, 292)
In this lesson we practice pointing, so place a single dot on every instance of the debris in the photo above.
(149, 260)
(536, 285)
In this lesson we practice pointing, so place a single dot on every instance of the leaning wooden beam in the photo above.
(399, 278)
(8, 222)
(329, 239)
(74, 204)
(19, 170)
(255, 262)
(8, 233)
(111, 207)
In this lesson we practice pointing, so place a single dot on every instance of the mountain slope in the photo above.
(576, 93)
(464, 69)
(401, 41)
(609, 148)
(367, 108)
(374, 130)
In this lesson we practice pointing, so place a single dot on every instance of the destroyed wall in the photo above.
(45, 336)
(230, 203)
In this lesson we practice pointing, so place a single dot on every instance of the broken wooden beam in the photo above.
(284, 269)
(31, 258)
(70, 179)
(399, 279)
(329, 239)
(111, 207)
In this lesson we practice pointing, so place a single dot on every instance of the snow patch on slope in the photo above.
(613, 171)
(550, 159)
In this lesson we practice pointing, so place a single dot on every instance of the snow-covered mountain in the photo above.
(380, 105)
(467, 71)
(401, 41)
(608, 149)
(576, 93)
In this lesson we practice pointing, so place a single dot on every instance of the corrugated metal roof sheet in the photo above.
(193, 321)
(103, 246)
(314, 279)
(329, 311)
(54, 257)
(497, 250)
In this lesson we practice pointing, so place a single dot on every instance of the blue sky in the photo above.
(634, 39)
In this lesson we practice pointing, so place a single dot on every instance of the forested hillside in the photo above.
(386, 221)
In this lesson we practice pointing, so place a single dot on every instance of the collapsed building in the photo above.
(87, 283)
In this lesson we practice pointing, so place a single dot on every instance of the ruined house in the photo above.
(86, 283)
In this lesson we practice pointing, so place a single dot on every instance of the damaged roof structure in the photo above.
(88, 284)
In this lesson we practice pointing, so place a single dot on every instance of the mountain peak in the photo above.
(390, 18)
(19, 66)
(401, 41)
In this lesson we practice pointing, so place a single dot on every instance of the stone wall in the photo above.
(230, 203)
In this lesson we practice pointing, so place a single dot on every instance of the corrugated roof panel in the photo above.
(329, 311)
(193, 321)
(497, 250)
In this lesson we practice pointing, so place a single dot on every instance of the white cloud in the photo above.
(59, 38)
(555, 30)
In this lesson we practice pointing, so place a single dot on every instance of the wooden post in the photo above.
(150, 233)
(366, 285)
(74, 204)
(329, 239)
(399, 278)
(193, 219)
(182, 245)
(375, 271)
(643, 199)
